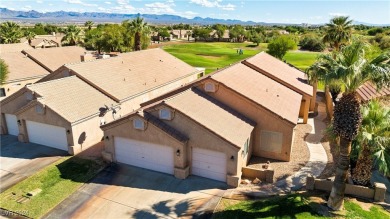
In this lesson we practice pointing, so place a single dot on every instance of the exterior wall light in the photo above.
(19, 123)
(178, 152)
(68, 131)
(107, 138)
(232, 157)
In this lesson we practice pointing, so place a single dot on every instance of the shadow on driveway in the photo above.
(20, 160)
(122, 191)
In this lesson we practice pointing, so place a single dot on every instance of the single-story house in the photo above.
(38, 43)
(224, 38)
(181, 34)
(132, 78)
(22, 71)
(188, 133)
(210, 127)
(53, 58)
(59, 113)
(118, 84)
(286, 75)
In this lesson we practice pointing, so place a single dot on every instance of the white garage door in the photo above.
(209, 164)
(48, 135)
(145, 155)
(12, 124)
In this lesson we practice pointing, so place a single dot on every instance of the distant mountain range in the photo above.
(76, 17)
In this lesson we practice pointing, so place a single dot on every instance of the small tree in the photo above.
(29, 36)
(88, 24)
(3, 71)
(279, 46)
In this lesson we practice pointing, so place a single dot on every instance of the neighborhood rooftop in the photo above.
(368, 91)
(132, 73)
(21, 67)
(71, 98)
(213, 115)
(53, 58)
(281, 72)
(15, 47)
(264, 91)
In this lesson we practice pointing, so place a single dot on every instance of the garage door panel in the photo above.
(48, 135)
(209, 174)
(145, 155)
(12, 124)
(218, 168)
(209, 164)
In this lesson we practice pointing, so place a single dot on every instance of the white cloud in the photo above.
(123, 2)
(214, 4)
(108, 3)
(80, 3)
(39, 1)
(159, 8)
(337, 14)
(228, 7)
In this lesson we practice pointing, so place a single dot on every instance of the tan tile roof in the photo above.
(43, 42)
(71, 98)
(368, 91)
(132, 73)
(21, 67)
(15, 47)
(53, 58)
(273, 67)
(259, 88)
(213, 115)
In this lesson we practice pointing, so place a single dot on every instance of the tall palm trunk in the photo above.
(362, 173)
(336, 198)
(346, 122)
(137, 41)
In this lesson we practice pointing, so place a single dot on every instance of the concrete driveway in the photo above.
(20, 160)
(122, 191)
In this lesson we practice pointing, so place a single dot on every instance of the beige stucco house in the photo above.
(285, 75)
(210, 127)
(77, 98)
(22, 71)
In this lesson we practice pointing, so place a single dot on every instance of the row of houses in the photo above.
(154, 111)
(27, 65)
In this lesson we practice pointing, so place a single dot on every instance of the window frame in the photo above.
(160, 114)
(138, 121)
(206, 88)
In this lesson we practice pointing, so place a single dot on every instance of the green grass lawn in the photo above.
(301, 59)
(212, 55)
(293, 206)
(57, 182)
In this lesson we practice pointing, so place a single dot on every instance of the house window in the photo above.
(39, 109)
(2, 92)
(139, 124)
(29, 96)
(209, 87)
(271, 141)
(165, 114)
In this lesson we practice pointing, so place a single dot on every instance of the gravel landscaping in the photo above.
(299, 157)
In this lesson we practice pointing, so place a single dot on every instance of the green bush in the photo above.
(279, 46)
(312, 43)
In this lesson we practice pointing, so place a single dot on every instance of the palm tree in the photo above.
(338, 31)
(139, 28)
(3, 71)
(372, 142)
(72, 35)
(352, 69)
(89, 24)
(29, 36)
(10, 32)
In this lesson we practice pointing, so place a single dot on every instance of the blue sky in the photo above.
(314, 11)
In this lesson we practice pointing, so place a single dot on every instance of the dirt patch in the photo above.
(299, 156)
(364, 205)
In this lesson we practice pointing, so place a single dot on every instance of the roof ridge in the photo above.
(54, 80)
